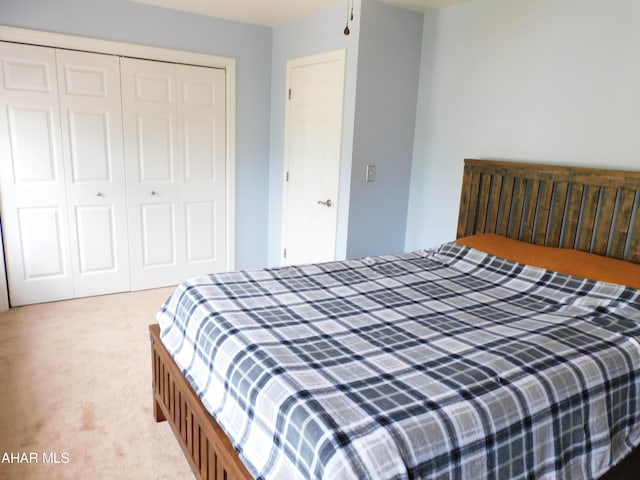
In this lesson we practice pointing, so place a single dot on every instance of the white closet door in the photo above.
(149, 117)
(91, 121)
(174, 123)
(201, 138)
(32, 180)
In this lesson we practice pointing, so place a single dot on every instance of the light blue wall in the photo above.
(124, 21)
(317, 33)
(387, 89)
(553, 81)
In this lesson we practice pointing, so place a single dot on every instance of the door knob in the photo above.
(99, 194)
(326, 203)
(153, 192)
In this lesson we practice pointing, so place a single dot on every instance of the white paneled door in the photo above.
(174, 124)
(202, 143)
(312, 157)
(34, 214)
(91, 122)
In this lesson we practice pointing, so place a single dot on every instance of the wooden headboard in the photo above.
(589, 209)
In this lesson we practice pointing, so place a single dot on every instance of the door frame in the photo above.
(87, 44)
(333, 55)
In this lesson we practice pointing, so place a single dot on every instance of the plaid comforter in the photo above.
(448, 363)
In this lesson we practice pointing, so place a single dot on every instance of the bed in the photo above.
(465, 426)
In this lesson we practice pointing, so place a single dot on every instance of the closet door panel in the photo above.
(200, 219)
(90, 150)
(42, 241)
(152, 163)
(201, 121)
(32, 139)
(96, 226)
(158, 247)
(32, 183)
(90, 106)
(155, 149)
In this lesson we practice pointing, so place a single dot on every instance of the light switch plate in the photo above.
(371, 173)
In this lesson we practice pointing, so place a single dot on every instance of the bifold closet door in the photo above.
(174, 124)
(61, 161)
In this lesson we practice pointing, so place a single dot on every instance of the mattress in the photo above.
(448, 363)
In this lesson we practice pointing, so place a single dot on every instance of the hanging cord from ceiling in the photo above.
(349, 16)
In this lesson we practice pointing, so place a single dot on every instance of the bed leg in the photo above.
(157, 411)
(158, 414)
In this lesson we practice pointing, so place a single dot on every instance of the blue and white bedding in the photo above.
(449, 363)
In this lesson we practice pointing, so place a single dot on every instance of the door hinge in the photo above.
(289, 94)
(284, 254)
(287, 177)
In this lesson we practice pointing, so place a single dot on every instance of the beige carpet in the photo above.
(75, 380)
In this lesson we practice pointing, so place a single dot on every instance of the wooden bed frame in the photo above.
(579, 208)
(204, 443)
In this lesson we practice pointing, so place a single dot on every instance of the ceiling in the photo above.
(275, 12)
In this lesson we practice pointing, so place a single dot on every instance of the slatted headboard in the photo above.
(589, 209)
